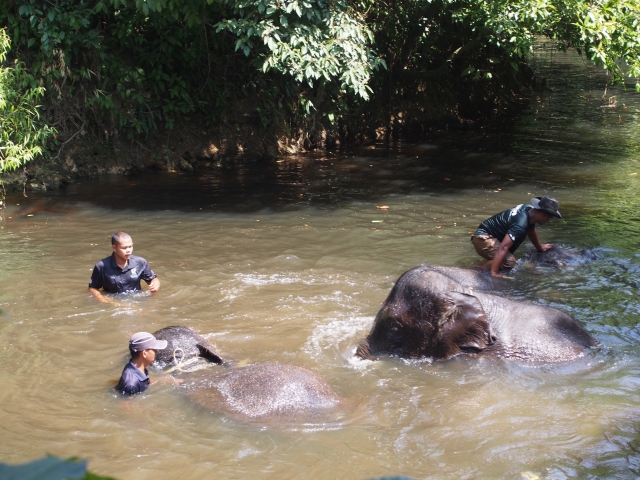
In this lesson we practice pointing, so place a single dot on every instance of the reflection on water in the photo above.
(289, 261)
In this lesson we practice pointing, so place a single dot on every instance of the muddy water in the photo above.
(290, 261)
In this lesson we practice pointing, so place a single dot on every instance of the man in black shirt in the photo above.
(498, 237)
(121, 272)
(135, 377)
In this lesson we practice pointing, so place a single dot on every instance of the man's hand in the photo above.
(499, 275)
(545, 247)
(541, 247)
(154, 285)
(169, 380)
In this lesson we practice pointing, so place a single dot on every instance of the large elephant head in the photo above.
(418, 322)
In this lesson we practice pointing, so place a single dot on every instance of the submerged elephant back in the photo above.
(472, 278)
(534, 333)
(270, 391)
(561, 257)
(183, 344)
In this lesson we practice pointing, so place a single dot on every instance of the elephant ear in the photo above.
(463, 326)
(207, 351)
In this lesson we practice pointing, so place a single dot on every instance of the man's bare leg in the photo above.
(487, 265)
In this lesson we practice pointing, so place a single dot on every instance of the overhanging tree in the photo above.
(122, 67)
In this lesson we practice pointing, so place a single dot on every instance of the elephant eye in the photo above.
(396, 334)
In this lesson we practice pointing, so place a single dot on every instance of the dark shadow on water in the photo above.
(323, 181)
(450, 164)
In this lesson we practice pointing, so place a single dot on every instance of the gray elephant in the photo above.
(474, 278)
(267, 392)
(260, 392)
(561, 257)
(428, 314)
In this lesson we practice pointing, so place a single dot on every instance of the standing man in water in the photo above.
(498, 237)
(121, 272)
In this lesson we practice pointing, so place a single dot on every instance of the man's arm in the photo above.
(502, 252)
(95, 284)
(150, 277)
(99, 296)
(533, 236)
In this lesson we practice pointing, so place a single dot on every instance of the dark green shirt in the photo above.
(113, 279)
(513, 222)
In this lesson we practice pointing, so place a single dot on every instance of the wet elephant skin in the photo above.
(183, 344)
(265, 392)
(427, 314)
(560, 257)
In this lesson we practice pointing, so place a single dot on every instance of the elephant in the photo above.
(560, 257)
(259, 392)
(429, 315)
(183, 346)
(267, 392)
(475, 278)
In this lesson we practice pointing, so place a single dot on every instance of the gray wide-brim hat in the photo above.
(145, 341)
(546, 204)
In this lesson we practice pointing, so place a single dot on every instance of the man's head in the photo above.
(122, 245)
(144, 345)
(545, 207)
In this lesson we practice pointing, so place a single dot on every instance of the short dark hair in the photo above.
(134, 353)
(115, 238)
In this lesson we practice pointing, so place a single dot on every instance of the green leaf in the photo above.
(50, 468)
(468, 71)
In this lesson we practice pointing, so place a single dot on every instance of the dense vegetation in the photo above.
(22, 132)
(313, 70)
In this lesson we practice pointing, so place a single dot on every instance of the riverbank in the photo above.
(419, 109)
(187, 147)
(190, 146)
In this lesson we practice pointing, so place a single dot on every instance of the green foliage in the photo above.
(119, 67)
(49, 468)
(127, 68)
(308, 40)
(607, 31)
(468, 59)
(22, 134)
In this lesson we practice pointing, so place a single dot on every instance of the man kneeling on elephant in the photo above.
(498, 237)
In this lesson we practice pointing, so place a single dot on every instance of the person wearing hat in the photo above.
(135, 377)
(121, 271)
(498, 237)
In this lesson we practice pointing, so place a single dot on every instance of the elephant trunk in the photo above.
(363, 351)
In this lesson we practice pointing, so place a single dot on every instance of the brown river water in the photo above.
(290, 260)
